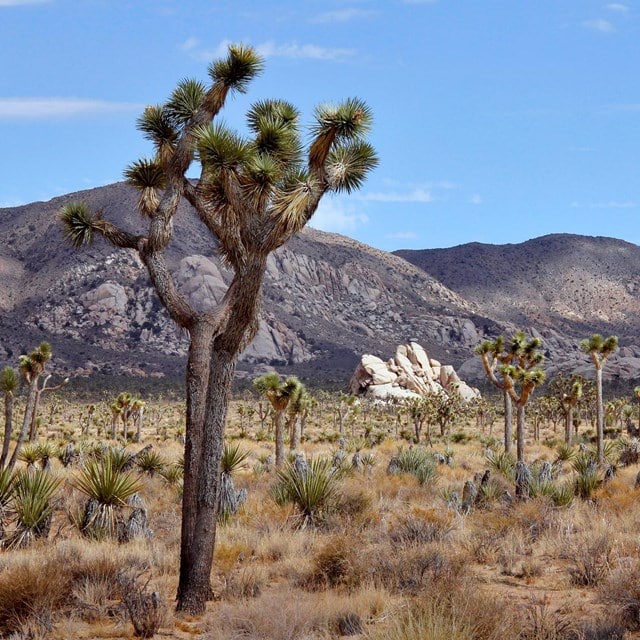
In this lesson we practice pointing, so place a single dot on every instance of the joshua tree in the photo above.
(297, 408)
(253, 195)
(40, 389)
(521, 378)
(421, 410)
(599, 349)
(568, 392)
(31, 368)
(494, 356)
(8, 385)
(279, 393)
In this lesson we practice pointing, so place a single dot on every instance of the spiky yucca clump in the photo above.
(117, 457)
(151, 462)
(502, 463)
(565, 452)
(233, 458)
(588, 479)
(107, 488)
(31, 507)
(312, 491)
(29, 454)
(173, 474)
(419, 463)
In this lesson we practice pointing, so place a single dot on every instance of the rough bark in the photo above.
(520, 432)
(508, 422)
(9, 400)
(599, 416)
(278, 421)
(28, 413)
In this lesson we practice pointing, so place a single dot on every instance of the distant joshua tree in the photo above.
(31, 368)
(280, 393)
(521, 377)
(599, 349)
(494, 355)
(8, 384)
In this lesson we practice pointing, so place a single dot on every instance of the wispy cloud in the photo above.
(476, 198)
(616, 6)
(49, 108)
(601, 25)
(18, 3)
(340, 15)
(612, 204)
(269, 49)
(416, 195)
(335, 216)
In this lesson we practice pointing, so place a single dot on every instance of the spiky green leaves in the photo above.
(185, 100)
(32, 365)
(597, 345)
(233, 458)
(349, 120)
(78, 223)
(102, 481)
(220, 149)
(157, 125)
(146, 176)
(348, 165)
(241, 65)
(8, 380)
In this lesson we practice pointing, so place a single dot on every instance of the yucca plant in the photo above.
(46, 451)
(233, 458)
(419, 463)
(118, 457)
(151, 462)
(502, 463)
(565, 452)
(588, 478)
(32, 507)
(312, 492)
(172, 473)
(107, 488)
(7, 481)
(29, 454)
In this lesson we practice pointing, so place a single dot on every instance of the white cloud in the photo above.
(294, 50)
(476, 199)
(402, 235)
(417, 195)
(340, 15)
(603, 26)
(47, 108)
(334, 216)
(612, 204)
(616, 6)
(268, 49)
(19, 3)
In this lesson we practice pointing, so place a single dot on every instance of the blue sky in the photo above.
(495, 121)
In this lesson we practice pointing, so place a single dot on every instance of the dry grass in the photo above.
(389, 560)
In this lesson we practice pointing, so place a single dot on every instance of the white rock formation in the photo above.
(409, 374)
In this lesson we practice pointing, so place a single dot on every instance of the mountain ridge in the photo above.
(327, 298)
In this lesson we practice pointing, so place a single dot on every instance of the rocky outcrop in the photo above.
(409, 374)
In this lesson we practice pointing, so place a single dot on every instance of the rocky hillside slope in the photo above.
(328, 299)
(565, 287)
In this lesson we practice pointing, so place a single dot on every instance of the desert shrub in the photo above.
(146, 610)
(565, 452)
(542, 623)
(336, 564)
(421, 526)
(590, 560)
(31, 593)
(620, 591)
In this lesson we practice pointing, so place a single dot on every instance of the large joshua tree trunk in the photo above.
(508, 422)
(520, 431)
(599, 416)
(205, 435)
